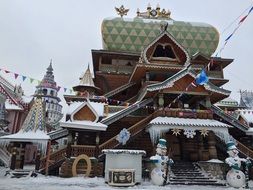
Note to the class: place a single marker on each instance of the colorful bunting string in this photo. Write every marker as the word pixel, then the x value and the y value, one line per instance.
pixel 31 80
pixel 211 62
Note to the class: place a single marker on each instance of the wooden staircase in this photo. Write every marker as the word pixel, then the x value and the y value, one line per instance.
pixel 5 156
pixel 187 173
pixel 229 118
pixel 134 130
pixel 119 89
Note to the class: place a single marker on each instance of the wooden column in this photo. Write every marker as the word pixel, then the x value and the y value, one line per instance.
pixel 201 146
pixel 96 153
pixel 13 159
pixel 48 155
pixel 211 146
pixel 37 160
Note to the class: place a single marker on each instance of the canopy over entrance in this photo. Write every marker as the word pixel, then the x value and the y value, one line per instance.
pixel 186 126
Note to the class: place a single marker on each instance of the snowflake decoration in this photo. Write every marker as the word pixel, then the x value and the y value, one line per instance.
pixel 204 132
pixel 176 131
pixel 123 136
pixel 189 133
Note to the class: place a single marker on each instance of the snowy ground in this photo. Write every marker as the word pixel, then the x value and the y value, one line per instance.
pixel 79 183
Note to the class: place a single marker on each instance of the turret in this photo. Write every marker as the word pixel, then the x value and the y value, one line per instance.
pixel 48 91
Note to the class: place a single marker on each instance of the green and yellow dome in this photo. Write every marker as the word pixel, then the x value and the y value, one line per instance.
pixel 133 35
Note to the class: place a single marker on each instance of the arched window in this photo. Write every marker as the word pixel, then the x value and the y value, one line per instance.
pixel 52 93
pixel 164 51
pixel 44 91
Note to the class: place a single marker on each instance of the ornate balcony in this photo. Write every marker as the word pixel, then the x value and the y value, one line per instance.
pixel 186 113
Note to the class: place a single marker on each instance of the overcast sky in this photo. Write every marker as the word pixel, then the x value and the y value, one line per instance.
pixel 34 31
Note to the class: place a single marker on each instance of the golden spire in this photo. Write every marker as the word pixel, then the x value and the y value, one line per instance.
pixel 121 11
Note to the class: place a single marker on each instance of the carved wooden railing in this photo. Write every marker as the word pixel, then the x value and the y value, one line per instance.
pixel 126 111
pixel 76 150
pixel 60 155
pixel 229 118
pixel 134 130
pixel 5 156
pixel 244 150
pixel 116 68
pixel 55 157
pixel 119 89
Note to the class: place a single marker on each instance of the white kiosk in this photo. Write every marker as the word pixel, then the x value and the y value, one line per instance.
pixel 123 167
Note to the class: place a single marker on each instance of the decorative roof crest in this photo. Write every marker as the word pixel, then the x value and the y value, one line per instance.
pixel 156 13
pixel 121 11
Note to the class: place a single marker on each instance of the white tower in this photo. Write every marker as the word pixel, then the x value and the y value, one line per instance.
pixel 48 91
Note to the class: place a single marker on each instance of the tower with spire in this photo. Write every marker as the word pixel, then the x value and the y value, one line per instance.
pixel 86 85
pixel 48 91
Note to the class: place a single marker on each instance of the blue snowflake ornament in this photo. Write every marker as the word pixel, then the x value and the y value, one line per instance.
pixel 123 136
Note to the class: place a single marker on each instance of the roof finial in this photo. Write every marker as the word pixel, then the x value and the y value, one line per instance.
pixel 121 11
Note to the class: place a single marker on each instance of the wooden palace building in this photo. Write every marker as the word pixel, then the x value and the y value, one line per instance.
pixel 144 82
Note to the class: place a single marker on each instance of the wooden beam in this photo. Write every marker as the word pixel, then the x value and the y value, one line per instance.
pixel 48 155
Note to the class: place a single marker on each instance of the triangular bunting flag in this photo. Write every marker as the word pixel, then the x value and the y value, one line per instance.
pixel 243 19
pixel 31 80
pixel 65 89
pixel 6 71
pixel 16 75
pixel 23 78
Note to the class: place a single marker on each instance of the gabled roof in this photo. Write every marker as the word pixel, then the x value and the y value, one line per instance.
pixel 166 34
pixel 33 129
pixel 85 81
pixel 170 82
pixel 14 101
pixel 82 124
pixel 96 108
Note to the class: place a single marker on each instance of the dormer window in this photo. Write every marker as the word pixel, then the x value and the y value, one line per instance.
pixel 164 51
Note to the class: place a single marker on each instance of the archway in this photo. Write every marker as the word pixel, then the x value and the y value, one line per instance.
pixel 78 158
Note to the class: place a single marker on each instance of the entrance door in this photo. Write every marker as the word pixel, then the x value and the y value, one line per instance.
pixel 173 145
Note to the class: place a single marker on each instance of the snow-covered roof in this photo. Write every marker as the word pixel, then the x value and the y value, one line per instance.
pixel 229 102
pixel 37 137
pixel 175 121
pixel 27 99
pixel 123 151
pixel 247 114
pixel 29 136
pixel 98 107
pixel 9 106
pixel 86 125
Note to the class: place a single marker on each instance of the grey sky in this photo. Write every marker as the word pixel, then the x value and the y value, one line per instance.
pixel 34 31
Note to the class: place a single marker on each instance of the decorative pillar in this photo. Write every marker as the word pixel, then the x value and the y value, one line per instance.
pixel 147 76
pixel 22 155
pixel 208 102
pixel 37 161
pixel 76 138
pixel 200 147
pixel 160 100
pixel 13 159
pixel 96 153
pixel 211 146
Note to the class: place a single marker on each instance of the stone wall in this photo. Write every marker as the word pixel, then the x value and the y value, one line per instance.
pixel 217 169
